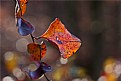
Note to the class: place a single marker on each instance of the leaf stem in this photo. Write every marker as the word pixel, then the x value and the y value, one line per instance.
pixel 46 77
pixel 38 38
pixel 32 37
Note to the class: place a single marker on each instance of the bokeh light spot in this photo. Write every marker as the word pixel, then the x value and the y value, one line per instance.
pixel 77 79
pixel 117 69
pixel 7 78
pixel 19 74
pixel 32 67
pixel 9 56
pixel 109 68
pixel 21 45
pixel 102 78
pixel 84 79
pixel 63 61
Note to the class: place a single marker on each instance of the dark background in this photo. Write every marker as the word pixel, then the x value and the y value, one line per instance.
pixel 96 23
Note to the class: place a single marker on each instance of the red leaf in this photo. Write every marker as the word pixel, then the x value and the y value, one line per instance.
pixel 20 7
pixel 66 42
pixel 36 51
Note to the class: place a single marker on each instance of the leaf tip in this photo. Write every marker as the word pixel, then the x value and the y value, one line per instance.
pixel 57 19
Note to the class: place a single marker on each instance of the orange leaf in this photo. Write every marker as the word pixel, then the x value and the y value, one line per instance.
pixel 66 42
pixel 37 51
pixel 20 7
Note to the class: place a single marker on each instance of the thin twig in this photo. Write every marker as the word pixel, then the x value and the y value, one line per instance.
pixel 32 37
pixel 46 77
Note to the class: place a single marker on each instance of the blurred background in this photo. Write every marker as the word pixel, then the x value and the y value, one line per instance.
pixel 96 23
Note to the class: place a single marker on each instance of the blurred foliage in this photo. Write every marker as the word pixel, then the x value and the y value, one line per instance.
pixel 96 23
